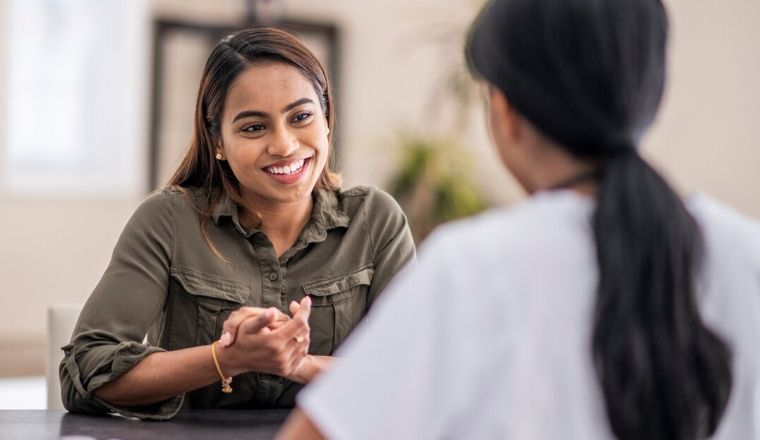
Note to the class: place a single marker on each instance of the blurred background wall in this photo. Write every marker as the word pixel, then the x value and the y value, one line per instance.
pixel 396 61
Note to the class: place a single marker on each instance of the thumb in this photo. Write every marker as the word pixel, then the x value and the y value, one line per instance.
pixel 303 309
pixel 294 306
pixel 259 322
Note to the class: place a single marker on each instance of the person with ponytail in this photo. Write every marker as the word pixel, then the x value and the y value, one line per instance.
pixel 232 286
pixel 602 307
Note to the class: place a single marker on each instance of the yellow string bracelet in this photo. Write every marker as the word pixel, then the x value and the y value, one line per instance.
pixel 226 388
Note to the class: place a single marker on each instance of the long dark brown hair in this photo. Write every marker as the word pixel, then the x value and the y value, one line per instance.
pixel 590 75
pixel 230 57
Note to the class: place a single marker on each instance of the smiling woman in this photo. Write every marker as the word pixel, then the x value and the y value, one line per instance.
pixel 274 137
pixel 252 264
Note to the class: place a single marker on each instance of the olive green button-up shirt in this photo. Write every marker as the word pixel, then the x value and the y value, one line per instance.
pixel 165 289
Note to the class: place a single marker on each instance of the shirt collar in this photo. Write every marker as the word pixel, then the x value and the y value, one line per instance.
pixel 326 214
pixel 225 208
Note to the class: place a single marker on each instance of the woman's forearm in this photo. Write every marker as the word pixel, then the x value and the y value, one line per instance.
pixel 257 347
pixel 161 376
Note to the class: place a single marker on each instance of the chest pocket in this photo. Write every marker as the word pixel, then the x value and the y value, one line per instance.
pixel 338 304
pixel 199 306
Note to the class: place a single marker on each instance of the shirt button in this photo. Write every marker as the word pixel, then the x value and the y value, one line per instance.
pixel 272 276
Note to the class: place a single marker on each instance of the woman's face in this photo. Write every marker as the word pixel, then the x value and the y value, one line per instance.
pixel 274 134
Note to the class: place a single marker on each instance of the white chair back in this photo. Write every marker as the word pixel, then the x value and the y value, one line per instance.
pixel 61 319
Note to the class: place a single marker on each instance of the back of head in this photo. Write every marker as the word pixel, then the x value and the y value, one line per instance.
pixel 589 74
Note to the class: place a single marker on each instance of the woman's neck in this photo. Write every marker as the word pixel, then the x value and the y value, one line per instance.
pixel 282 222
pixel 551 167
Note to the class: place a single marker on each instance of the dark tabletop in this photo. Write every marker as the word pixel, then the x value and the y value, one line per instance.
pixel 190 424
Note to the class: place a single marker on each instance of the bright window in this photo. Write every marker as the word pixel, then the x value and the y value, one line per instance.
pixel 75 119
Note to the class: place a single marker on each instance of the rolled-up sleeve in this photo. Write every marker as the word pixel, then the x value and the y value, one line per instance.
pixel 108 337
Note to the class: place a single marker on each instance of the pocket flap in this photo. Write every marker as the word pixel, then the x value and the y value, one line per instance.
pixel 340 283
pixel 199 284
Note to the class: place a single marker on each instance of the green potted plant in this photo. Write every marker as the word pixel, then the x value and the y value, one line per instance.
pixel 433 184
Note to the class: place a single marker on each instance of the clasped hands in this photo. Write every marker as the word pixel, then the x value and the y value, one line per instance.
pixel 268 341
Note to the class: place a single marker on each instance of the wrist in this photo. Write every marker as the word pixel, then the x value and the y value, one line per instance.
pixel 304 372
pixel 225 379
pixel 227 361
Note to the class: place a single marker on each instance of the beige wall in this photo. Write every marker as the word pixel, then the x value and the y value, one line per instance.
pixel 708 135
pixel 54 250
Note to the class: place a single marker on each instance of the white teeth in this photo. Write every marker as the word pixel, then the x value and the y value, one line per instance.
pixel 287 169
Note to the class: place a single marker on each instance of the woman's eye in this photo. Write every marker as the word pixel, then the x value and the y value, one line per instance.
pixel 302 117
pixel 253 128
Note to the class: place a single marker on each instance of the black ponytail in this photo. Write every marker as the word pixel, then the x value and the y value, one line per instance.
pixel 590 75
pixel 664 375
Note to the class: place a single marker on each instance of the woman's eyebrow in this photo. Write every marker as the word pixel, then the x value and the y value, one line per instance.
pixel 249 113
pixel 296 104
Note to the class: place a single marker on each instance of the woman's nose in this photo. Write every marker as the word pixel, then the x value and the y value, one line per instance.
pixel 282 143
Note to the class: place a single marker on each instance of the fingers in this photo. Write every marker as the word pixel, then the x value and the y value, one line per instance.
pixel 231 325
pixel 302 312
pixel 259 322
pixel 298 327
pixel 304 308
pixel 272 346
pixel 294 352
pixel 294 306
pixel 255 319
pixel 300 344
pixel 277 323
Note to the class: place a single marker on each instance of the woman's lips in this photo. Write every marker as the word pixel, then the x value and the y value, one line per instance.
pixel 288 173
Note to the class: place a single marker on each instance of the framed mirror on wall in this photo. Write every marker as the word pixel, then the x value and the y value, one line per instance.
pixel 180 49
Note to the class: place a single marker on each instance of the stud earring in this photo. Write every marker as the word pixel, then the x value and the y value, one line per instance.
pixel 219 156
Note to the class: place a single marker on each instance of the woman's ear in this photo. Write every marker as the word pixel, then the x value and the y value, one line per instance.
pixel 219 151
pixel 504 121
pixel 508 134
